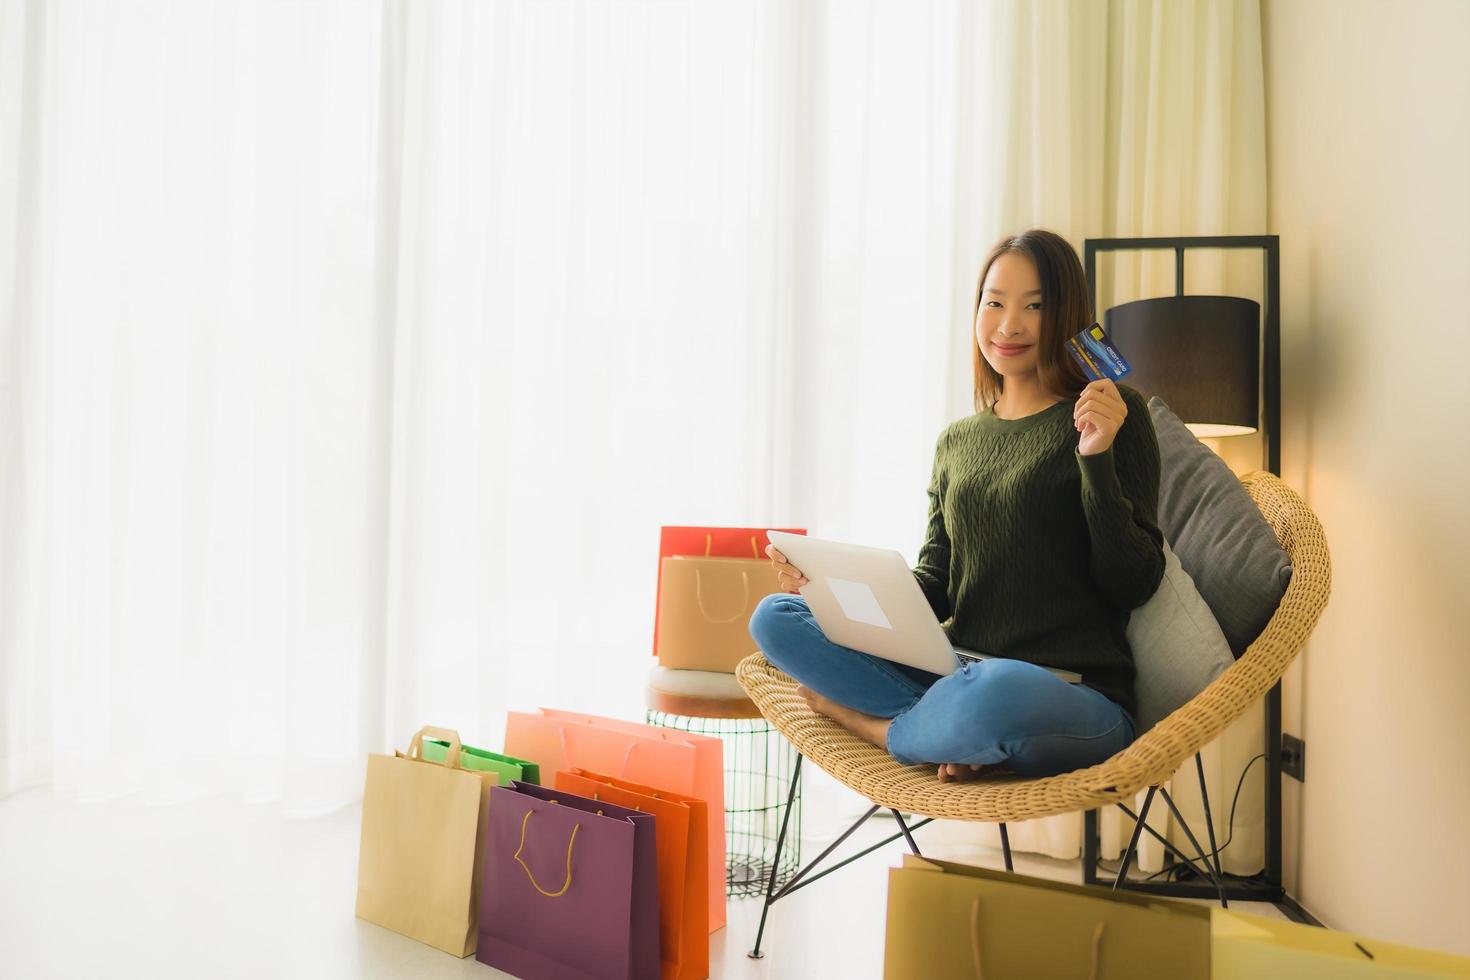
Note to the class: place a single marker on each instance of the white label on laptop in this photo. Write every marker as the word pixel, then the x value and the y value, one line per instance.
pixel 858 602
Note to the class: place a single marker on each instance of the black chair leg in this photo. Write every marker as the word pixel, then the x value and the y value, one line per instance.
pixel 905 828
pixel 1005 847
pixel 1204 795
pixel 755 953
pixel 1133 841
pixel 1209 871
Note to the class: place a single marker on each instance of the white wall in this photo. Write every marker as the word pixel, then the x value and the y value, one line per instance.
pixel 1368 115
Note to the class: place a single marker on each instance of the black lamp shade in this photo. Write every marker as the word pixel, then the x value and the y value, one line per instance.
pixel 1200 354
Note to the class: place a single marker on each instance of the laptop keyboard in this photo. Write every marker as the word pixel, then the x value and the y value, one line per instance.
pixel 1070 677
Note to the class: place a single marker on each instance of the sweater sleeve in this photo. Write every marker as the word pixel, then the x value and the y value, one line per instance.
pixel 1120 498
pixel 933 568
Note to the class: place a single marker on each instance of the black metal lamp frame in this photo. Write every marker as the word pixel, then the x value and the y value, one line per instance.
pixel 1270 244
pixel 1268 885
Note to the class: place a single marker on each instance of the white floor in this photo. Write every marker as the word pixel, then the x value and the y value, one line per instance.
pixel 223 889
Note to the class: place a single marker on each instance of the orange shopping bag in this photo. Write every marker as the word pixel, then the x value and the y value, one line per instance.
pixel 682 762
pixel 682 846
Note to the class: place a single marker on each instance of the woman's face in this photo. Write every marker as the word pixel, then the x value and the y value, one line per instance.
pixel 1008 323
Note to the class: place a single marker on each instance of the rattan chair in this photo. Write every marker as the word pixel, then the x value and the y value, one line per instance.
pixel 1152 759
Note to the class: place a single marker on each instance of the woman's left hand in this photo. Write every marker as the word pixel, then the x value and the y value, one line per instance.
pixel 1098 415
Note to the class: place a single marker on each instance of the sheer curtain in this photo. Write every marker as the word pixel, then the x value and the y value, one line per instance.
pixel 188 521
pixel 351 355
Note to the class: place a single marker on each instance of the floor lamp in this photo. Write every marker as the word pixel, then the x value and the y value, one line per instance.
pixel 1203 356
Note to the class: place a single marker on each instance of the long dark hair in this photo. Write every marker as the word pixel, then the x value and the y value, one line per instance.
pixel 1066 309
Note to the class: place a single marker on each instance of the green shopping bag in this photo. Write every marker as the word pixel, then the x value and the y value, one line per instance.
pixel 483 760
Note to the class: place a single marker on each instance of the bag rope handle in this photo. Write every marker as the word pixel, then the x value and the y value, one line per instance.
pixel 744 598
pixel 709 540
pixel 565 885
pixel 709 544
pixel 566 750
pixel 1096 953
pixel 975 938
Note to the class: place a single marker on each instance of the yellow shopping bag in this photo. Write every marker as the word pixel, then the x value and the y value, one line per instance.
pixel 957 921
pixel 1244 947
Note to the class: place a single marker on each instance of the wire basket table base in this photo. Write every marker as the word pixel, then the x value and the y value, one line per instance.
pixel 759 767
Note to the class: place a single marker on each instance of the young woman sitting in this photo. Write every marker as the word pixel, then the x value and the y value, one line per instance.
pixel 1042 537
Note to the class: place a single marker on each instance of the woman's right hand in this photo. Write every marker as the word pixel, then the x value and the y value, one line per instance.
pixel 789 575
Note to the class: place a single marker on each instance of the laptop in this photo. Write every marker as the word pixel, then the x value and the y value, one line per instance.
pixel 868 599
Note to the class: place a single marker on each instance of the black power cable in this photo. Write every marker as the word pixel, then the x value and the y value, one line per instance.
pixel 1210 855
pixel 1177 866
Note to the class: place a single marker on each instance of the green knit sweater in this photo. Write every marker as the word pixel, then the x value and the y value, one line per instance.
pixel 1038 553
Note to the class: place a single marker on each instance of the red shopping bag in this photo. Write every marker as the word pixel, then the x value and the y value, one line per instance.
pixel 709 542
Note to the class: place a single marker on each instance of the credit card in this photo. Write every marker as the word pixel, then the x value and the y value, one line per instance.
pixel 1096 355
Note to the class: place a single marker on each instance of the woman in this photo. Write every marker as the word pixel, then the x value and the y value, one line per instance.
pixel 1042 538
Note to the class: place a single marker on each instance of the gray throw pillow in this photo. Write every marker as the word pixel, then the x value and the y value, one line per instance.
pixel 1177 645
pixel 1218 533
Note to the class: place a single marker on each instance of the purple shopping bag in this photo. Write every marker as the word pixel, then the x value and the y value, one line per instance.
pixel 569 888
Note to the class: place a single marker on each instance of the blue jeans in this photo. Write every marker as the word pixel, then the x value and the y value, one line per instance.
pixel 992 712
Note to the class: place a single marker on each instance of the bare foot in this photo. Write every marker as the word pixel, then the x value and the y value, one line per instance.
pixel 959 772
pixel 819 704
pixel 869 728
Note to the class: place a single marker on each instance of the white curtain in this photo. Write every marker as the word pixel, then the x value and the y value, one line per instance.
pixel 191 571
pixel 352 355
pixel 1133 118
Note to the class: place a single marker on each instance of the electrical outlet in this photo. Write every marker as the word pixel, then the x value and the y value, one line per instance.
pixel 1294 757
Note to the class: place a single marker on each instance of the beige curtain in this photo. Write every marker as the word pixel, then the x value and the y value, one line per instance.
pixel 1127 118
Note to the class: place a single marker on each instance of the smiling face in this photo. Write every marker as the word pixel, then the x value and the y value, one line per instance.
pixel 1008 322
pixel 1031 297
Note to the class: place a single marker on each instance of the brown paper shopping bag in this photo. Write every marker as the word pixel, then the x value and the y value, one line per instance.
pixel 711 542
pixel 704 610
pixel 953 920
pixel 418 869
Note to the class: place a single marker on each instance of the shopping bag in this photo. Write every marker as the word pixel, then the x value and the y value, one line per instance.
pixel 682 762
pixel 570 888
pixel 1245 946
pixel 954 920
pixel 558 743
pixel 710 542
pixel 704 610
pixel 708 781
pixel 419 857
pixel 683 869
pixel 483 760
